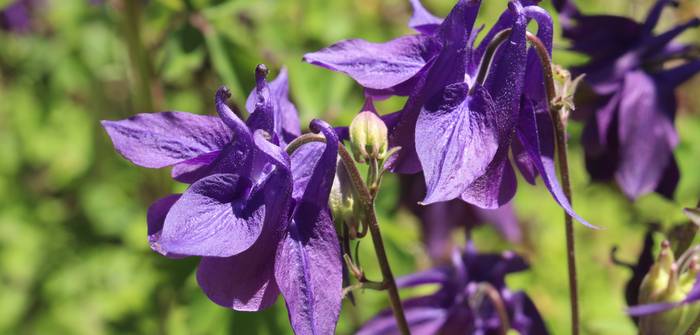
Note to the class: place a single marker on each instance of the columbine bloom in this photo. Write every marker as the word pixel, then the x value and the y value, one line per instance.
pixel 440 220
pixel 629 134
pixel 471 294
pixel 459 132
pixel 258 216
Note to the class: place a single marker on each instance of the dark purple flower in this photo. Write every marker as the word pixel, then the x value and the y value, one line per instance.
pixel 441 219
pixel 467 301
pixel 16 16
pixel 258 216
pixel 457 131
pixel 629 134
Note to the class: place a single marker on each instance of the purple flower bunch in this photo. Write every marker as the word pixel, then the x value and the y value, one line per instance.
pixel 257 216
pixel 468 108
pixel 632 74
pixel 257 206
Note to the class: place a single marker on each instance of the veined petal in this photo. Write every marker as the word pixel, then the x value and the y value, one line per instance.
pixel 262 116
pixel 537 139
pixel 216 217
pixel 422 20
pixel 156 140
pixel 456 139
pixel 377 66
pixel 646 132
pixel 286 118
pixel 308 271
pixel 496 187
pixel 254 287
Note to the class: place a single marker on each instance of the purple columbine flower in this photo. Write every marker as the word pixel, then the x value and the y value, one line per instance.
pixel 16 16
pixel 629 134
pixel 258 216
pixel 472 292
pixel 459 132
pixel 441 219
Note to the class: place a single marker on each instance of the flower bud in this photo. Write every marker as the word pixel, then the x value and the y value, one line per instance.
pixel 368 137
pixel 342 202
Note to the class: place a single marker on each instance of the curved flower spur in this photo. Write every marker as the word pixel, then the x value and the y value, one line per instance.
pixel 253 212
pixel 466 101
pixel 629 134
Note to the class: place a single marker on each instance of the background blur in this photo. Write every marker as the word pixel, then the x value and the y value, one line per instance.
pixel 73 252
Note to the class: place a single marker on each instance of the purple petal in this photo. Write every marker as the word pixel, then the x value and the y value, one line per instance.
pixel 318 188
pixel 262 116
pixel 647 135
pixel 215 217
pixel 155 217
pixel 538 140
pixel 158 140
pixel 194 169
pixel 377 66
pixel 254 287
pixel 456 139
pixel 669 180
pixel 524 316
pixel 431 276
pixel 422 20
pixel 309 271
pixel 496 187
pixel 286 118
pixel 425 316
pixel 447 68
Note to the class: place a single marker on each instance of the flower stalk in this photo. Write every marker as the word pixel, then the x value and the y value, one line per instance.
pixel 559 118
pixel 367 200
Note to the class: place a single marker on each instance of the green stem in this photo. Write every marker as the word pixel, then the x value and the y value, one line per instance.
pixel 562 159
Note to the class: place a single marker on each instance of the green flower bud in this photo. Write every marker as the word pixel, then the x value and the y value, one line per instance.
pixel 368 137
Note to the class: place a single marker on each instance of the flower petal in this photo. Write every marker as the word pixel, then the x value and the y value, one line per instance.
pixel 456 139
pixel 194 169
pixel 155 217
pixel 215 217
pixel 156 140
pixel 536 134
pixel 421 20
pixel 445 69
pixel 317 190
pixel 524 316
pixel 647 135
pixel 286 118
pixel 378 66
pixel 309 271
pixel 439 275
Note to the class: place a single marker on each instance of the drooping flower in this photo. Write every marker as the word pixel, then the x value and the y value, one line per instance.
pixel 440 220
pixel 629 135
pixel 258 217
pixel 458 131
pixel 472 298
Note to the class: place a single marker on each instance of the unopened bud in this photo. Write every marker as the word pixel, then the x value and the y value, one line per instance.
pixel 656 281
pixel 368 137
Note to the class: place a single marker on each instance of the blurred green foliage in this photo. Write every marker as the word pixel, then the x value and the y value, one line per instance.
pixel 73 252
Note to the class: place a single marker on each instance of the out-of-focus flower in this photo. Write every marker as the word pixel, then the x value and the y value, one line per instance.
pixel 258 216
pixel 17 16
pixel 632 72
pixel 440 220
pixel 458 131
pixel 472 299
